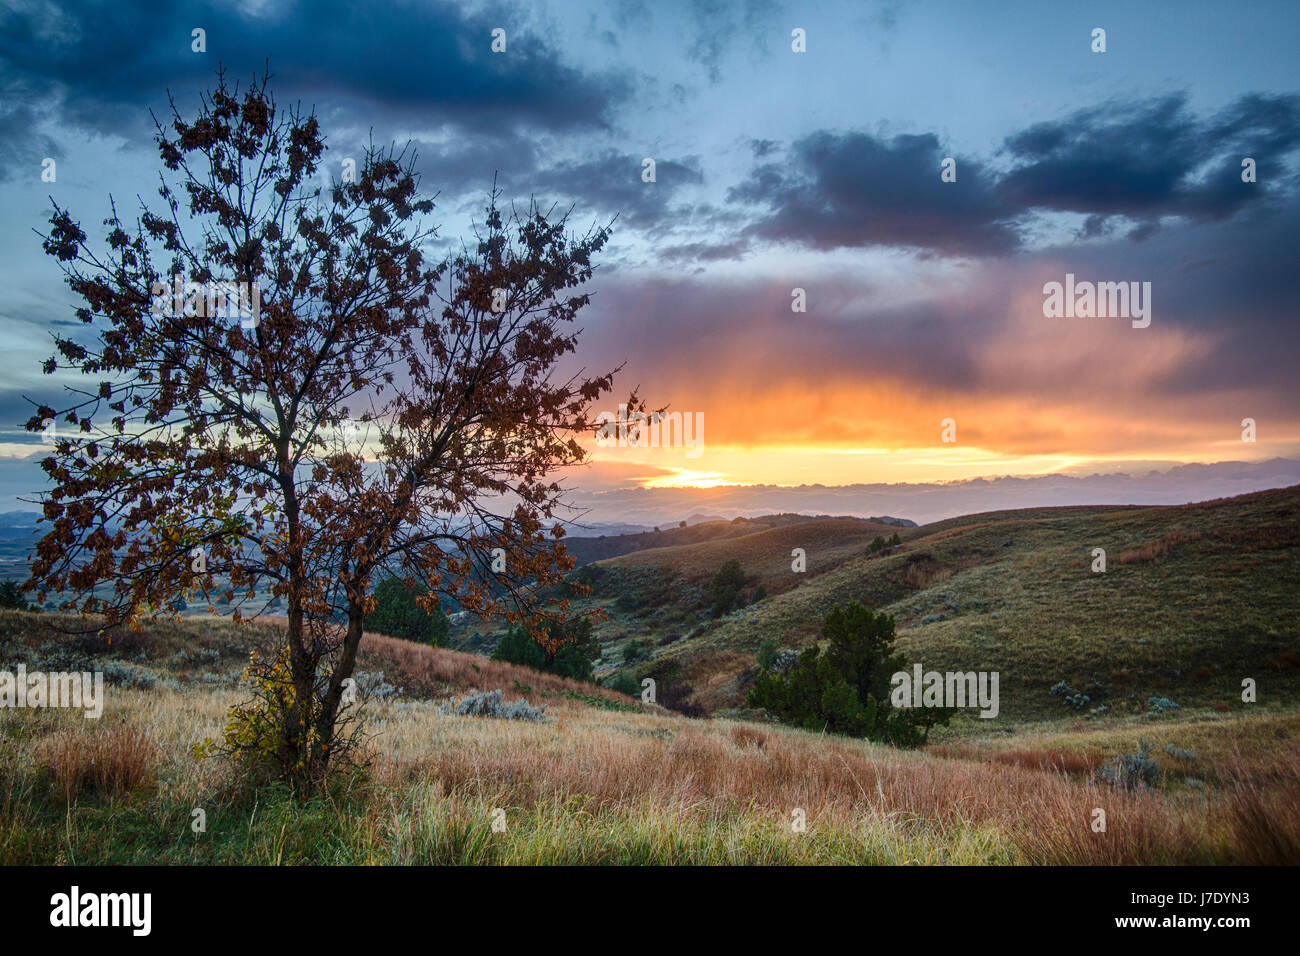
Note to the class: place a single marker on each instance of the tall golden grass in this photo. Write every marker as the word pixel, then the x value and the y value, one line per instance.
pixel 696 774
pixel 112 761
pixel 603 786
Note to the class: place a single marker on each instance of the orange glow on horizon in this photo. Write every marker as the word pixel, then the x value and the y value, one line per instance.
pixel 793 465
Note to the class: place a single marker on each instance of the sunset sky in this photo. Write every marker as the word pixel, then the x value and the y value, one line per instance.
pixel 777 170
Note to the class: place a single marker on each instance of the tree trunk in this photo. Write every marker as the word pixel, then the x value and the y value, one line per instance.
pixel 325 724
pixel 302 671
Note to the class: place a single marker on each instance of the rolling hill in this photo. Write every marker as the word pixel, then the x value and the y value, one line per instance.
pixel 1193 600
pixel 586 549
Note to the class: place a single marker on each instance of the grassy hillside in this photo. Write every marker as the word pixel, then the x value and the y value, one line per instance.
pixel 1194 599
pixel 588 549
pixel 765 553
pixel 602 780
pixel 650 579
pixel 661 594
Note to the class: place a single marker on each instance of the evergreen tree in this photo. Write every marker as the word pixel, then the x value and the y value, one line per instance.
pixel 575 648
pixel 398 614
pixel 846 688
pixel 725 587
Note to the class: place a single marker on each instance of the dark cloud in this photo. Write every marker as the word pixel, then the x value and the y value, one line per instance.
pixel 631 14
pixel 711 35
pixel 422 62
pixel 1128 165
pixel 604 186
pixel 702 335
pixel 1248 282
pixel 853 189
pixel 1147 160
pixel 611 183
pixel 980 332
pixel 886 18
pixel 1093 227
pixel 700 252
pixel 23 144
pixel 467 165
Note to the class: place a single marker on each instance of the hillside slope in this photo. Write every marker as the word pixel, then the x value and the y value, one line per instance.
pixel 1194 599
pixel 588 549
pixel 766 554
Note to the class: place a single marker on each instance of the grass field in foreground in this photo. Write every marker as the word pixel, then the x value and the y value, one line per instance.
pixel 607 783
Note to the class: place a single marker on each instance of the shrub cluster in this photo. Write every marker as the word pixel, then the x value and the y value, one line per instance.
pixel 880 544
pixel 625 682
pixel 1077 699
pixel 491 703
pixel 1131 771
pixel 635 650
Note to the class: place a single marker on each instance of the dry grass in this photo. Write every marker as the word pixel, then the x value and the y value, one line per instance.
pixel 109 762
pixel 694 772
pixel 638 786
pixel 601 786
pixel 922 575
pixel 437 670
pixel 743 735
pixel 1030 758
pixel 1263 820
pixel 1156 549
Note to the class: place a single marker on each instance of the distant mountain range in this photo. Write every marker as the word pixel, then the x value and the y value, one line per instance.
pixel 935 501
pixel 601 529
